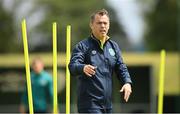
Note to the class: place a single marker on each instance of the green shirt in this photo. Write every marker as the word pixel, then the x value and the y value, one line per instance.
pixel 42 91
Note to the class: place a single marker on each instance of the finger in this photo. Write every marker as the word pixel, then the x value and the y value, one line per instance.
pixel 93 67
pixel 127 98
pixel 127 94
pixel 88 68
pixel 122 89
pixel 91 71
pixel 85 69
pixel 88 74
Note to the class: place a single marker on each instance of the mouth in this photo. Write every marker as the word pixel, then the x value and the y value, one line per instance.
pixel 103 31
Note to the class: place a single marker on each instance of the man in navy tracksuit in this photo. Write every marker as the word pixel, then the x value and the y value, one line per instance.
pixel 94 60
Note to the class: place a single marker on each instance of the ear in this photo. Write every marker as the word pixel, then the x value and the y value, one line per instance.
pixel 90 25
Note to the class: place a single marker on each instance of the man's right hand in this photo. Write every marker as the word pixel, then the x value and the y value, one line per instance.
pixel 89 70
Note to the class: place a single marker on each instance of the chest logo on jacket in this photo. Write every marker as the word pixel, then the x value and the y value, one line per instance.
pixel 43 82
pixel 111 52
pixel 93 52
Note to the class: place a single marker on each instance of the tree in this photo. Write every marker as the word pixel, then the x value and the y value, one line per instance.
pixel 74 13
pixel 7 32
pixel 162 27
pixel 64 12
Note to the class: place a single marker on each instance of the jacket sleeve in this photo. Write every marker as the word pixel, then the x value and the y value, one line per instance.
pixel 121 68
pixel 50 89
pixel 24 97
pixel 76 64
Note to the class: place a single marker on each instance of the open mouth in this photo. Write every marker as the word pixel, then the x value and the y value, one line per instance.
pixel 103 31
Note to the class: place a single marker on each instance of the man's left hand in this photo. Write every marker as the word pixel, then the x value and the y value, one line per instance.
pixel 127 91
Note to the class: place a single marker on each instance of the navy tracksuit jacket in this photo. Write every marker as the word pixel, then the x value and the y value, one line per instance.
pixel 95 92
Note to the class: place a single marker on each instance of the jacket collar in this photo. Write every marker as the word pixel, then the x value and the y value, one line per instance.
pixel 92 36
pixel 98 41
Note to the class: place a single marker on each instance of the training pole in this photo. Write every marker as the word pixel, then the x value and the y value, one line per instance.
pixel 68 54
pixel 161 82
pixel 55 103
pixel 26 57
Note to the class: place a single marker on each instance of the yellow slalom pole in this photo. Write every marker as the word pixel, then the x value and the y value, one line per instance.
pixel 68 54
pixel 55 103
pixel 161 82
pixel 26 57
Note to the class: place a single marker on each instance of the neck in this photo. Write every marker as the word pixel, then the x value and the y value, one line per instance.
pixel 103 40
pixel 100 38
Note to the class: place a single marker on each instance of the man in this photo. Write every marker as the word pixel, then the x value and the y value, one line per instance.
pixel 42 89
pixel 94 60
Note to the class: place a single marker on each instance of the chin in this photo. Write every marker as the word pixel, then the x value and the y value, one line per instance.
pixel 104 35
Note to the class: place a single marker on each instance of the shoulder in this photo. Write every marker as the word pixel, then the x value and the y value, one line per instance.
pixel 32 75
pixel 115 44
pixel 46 75
pixel 83 44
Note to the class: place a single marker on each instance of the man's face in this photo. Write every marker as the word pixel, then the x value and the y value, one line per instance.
pixel 100 26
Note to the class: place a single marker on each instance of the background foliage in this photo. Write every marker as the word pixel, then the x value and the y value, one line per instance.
pixel 161 25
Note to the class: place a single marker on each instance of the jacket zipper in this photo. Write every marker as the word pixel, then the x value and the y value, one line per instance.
pixel 105 93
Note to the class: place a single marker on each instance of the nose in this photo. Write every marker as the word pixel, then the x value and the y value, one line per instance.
pixel 102 25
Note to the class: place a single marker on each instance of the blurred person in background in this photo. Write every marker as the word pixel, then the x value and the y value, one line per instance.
pixel 94 60
pixel 42 89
